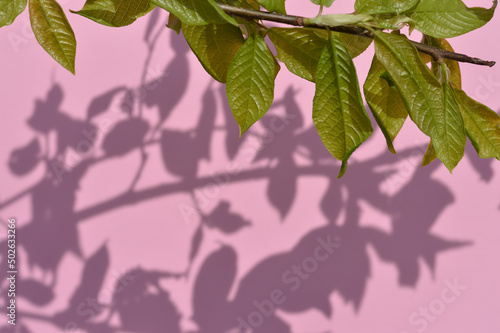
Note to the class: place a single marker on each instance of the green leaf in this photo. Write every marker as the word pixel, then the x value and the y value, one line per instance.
pixel 326 3
pixel 354 44
pixel 430 155
pixel 196 12
pixel 481 125
pixel 454 124
pixel 114 13
pixel 383 6
pixel 338 112
pixel 53 32
pixel 450 18
pixel 274 5
pixel 301 48
pixel 10 9
pixel 215 45
pixel 250 82
pixel 250 4
pixel 422 94
pixel 385 102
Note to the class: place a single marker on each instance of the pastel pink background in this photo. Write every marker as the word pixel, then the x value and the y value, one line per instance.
pixel 405 232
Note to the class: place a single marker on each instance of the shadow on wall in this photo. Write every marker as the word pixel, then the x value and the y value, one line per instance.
pixel 330 258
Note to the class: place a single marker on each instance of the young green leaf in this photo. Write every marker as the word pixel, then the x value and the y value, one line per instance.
pixel 453 65
pixel 250 82
pixel 481 125
pixel 115 13
pixel 53 32
pixel 384 6
pixel 430 155
pixel 10 9
pixel 274 5
pixel 393 22
pixel 215 45
pixel 385 102
pixel 450 18
pixel 196 12
pixel 335 20
pixel 422 94
pixel 301 48
pixel 338 112
pixel 326 3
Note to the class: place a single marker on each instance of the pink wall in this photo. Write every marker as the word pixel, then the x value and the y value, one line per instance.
pixel 411 249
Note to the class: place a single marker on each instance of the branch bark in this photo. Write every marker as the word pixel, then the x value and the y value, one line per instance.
pixel 299 21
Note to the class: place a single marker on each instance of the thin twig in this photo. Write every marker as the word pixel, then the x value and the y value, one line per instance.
pixel 299 21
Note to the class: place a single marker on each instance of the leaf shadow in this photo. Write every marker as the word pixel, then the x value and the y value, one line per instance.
pixel 332 258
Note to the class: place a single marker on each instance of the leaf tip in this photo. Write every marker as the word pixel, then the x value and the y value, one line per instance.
pixel 343 169
pixel 71 69
pixel 450 168
pixel 242 131
pixel 390 146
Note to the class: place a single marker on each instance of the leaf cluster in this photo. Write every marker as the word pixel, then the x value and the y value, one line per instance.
pixel 233 50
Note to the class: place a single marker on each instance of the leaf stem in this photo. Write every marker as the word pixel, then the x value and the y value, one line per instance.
pixel 320 10
pixel 300 21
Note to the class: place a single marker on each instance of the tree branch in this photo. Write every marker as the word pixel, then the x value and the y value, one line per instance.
pixel 299 21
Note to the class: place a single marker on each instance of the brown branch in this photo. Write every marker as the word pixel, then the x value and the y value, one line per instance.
pixel 299 21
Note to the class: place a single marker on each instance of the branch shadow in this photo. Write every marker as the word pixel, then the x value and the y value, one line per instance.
pixel 331 258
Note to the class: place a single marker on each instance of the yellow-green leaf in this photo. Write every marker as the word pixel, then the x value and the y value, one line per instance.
pixel 385 102
pixel 196 12
pixel 174 23
pixel 115 13
pixel 430 155
pixel 10 9
pixel 53 31
pixel 354 44
pixel 449 18
pixel 301 48
pixel 274 5
pixel 430 108
pixel 454 124
pixel 250 4
pixel 383 6
pixel 215 45
pixel 481 125
pixel 326 3
pixel 250 82
pixel 338 112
